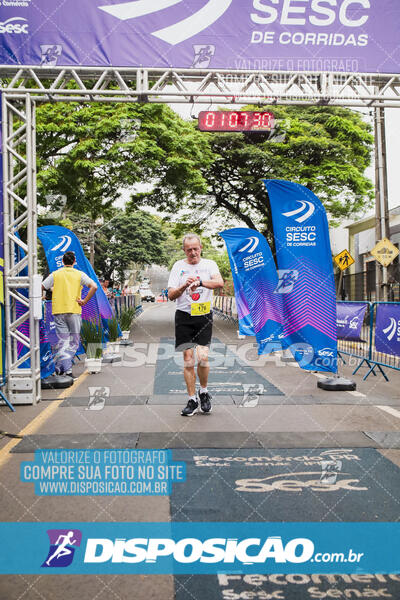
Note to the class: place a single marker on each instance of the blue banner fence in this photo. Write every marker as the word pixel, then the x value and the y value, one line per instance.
pixel 361 353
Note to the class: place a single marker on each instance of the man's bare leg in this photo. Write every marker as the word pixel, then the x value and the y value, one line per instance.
pixel 203 366
pixel 189 372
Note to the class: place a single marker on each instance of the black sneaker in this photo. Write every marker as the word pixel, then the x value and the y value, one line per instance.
pixel 69 374
pixel 190 409
pixel 205 402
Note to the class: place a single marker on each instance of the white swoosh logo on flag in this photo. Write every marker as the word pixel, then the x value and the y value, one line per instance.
pixel 63 245
pixel 253 242
pixel 305 206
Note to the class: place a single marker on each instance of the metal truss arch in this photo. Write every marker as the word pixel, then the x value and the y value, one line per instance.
pixel 23 86
pixel 111 84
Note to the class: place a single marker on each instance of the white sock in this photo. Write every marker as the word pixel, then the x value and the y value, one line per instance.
pixel 203 390
pixel 192 398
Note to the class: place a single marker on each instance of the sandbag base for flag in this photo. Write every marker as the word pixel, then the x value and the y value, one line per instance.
pixel 111 358
pixel 125 342
pixel 56 382
pixel 337 384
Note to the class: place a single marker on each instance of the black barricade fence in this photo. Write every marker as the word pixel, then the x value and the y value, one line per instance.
pixel 362 286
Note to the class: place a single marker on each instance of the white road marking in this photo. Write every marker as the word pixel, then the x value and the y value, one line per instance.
pixel 390 410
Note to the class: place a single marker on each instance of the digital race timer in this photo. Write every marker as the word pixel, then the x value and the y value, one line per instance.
pixel 213 120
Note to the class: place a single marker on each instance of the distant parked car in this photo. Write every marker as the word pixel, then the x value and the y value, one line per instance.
pixel 146 295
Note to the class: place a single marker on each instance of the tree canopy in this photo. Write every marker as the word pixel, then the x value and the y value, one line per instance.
pixel 326 149
pixel 129 239
pixel 89 152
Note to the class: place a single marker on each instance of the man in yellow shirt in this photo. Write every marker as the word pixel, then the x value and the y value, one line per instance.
pixel 67 305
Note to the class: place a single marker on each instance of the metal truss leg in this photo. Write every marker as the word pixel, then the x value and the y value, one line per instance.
pixel 20 249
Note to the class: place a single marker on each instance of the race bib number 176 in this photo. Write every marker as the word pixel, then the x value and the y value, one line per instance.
pixel 200 308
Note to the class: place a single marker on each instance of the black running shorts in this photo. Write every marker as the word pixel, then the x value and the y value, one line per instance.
pixel 192 331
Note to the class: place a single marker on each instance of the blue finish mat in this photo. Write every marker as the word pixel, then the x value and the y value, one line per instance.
pixel 284 485
pixel 286 587
pixel 228 374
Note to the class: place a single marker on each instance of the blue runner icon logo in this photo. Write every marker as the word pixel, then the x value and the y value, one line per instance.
pixel 62 547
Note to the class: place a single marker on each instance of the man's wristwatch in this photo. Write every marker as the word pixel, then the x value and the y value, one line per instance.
pixel 200 283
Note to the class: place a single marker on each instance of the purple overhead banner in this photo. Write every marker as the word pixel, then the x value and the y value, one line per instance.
pixel 328 35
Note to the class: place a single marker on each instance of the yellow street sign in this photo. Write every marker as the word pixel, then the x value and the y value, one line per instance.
pixel 385 252
pixel 344 260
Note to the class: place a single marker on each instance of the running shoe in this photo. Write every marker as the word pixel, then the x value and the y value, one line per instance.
pixel 205 402
pixel 69 374
pixel 190 409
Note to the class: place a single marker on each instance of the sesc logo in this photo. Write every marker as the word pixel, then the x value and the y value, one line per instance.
pixel 63 245
pixel 325 358
pixel 251 245
pixel 303 213
pixel 16 25
pixel 353 324
pixel 390 329
pixel 180 31
pixel 326 353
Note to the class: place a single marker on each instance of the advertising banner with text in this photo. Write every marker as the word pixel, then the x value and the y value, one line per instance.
pixel 307 284
pixel 328 35
pixel 349 320
pixel 256 272
pixel 387 330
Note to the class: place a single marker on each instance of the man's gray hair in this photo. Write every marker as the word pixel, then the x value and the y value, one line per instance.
pixel 190 236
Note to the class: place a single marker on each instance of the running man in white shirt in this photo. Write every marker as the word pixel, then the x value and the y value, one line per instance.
pixel 191 284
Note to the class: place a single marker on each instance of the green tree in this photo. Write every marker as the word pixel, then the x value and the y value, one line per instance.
pixel 326 149
pixel 129 239
pixel 89 152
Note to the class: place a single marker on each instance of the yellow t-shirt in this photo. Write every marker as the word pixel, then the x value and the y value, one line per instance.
pixel 67 288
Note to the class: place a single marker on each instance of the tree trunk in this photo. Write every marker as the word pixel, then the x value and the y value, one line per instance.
pixel 92 233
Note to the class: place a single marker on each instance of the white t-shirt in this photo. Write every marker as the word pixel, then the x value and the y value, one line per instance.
pixel 181 271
